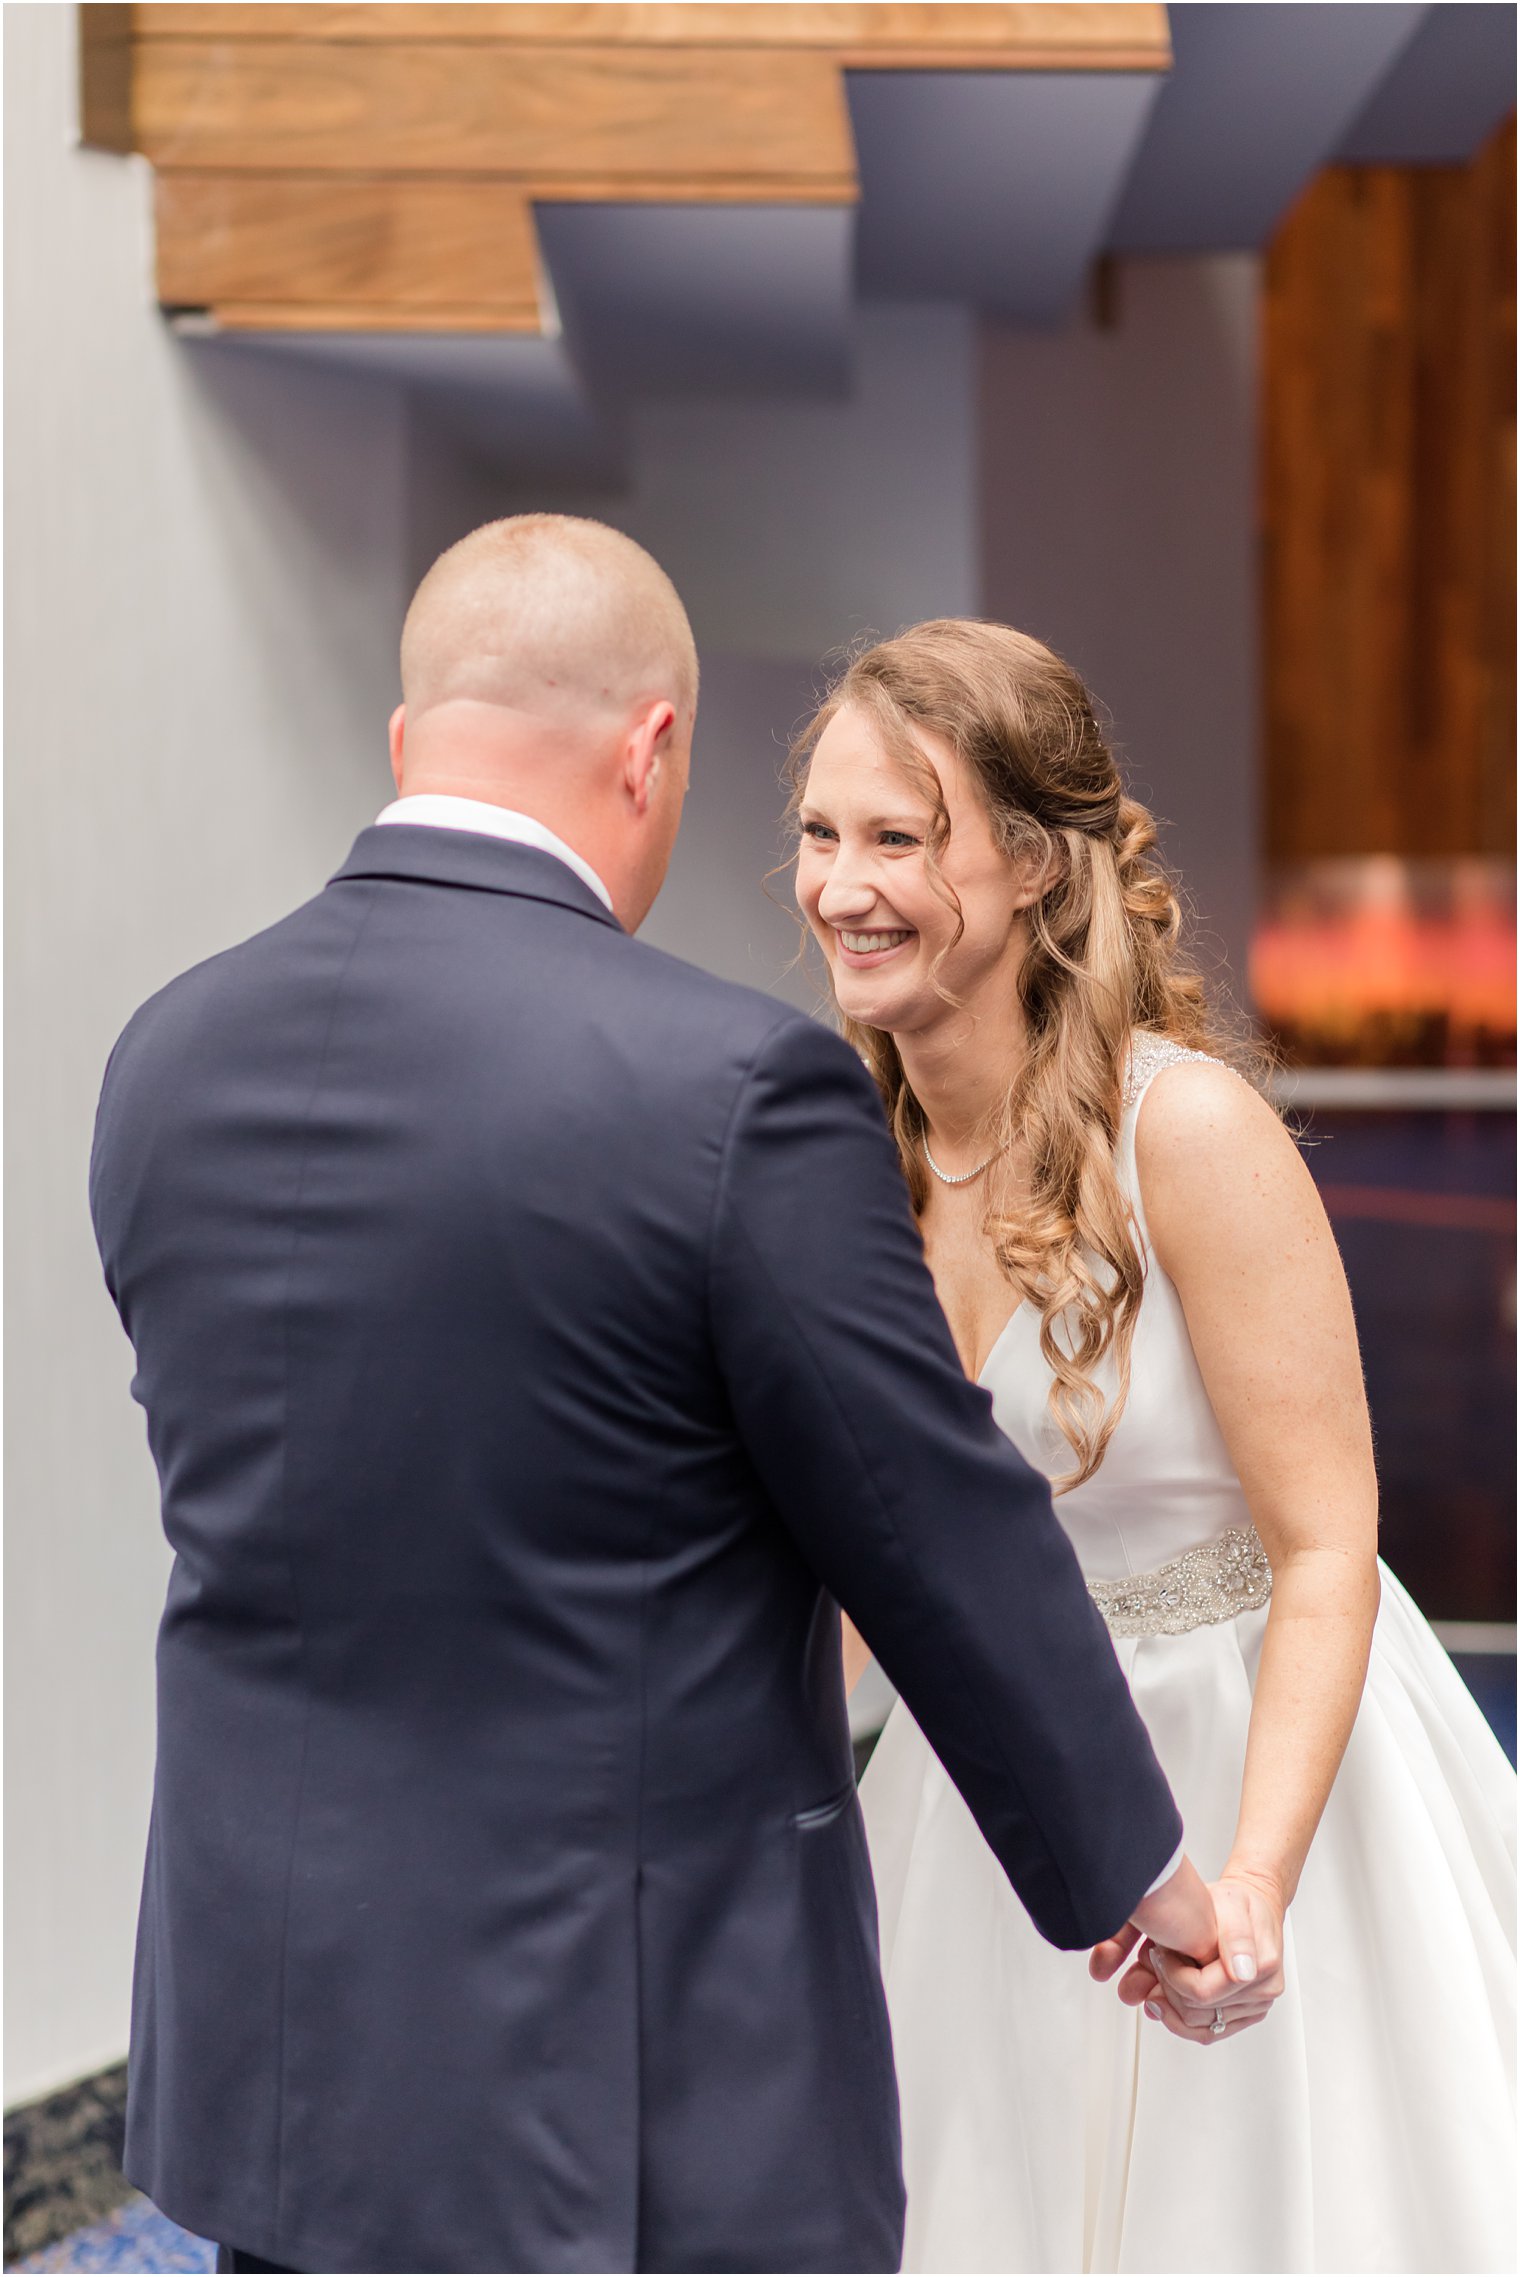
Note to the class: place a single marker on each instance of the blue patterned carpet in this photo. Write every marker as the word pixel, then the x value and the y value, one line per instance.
pixel 136 2236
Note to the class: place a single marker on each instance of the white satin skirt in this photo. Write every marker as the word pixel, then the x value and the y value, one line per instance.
pixel 1367 2124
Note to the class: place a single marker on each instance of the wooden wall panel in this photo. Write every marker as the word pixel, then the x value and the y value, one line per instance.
pixel 1388 487
pixel 1059 35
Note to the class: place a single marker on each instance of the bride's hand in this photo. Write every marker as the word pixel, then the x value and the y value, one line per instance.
pixel 1239 1988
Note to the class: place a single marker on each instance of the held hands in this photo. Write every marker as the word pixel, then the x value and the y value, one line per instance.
pixel 1203 1983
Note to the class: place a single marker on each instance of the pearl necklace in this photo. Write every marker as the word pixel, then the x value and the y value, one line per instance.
pixel 966 1177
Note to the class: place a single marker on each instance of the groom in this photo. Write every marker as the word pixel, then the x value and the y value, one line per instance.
pixel 535 1343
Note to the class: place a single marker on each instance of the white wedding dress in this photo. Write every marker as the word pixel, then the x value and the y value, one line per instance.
pixel 1368 2123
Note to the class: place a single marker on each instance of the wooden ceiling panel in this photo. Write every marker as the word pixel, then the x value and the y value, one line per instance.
pixel 379 164
pixel 546 114
pixel 416 249
pixel 1061 35
pixel 357 316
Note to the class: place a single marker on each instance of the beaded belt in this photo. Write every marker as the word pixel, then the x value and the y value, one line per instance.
pixel 1213 1583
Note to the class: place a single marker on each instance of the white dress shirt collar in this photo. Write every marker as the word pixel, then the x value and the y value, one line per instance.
pixel 434 811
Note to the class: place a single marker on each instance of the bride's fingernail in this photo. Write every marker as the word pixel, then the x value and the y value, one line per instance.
pixel 1242 1968
pixel 1153 2012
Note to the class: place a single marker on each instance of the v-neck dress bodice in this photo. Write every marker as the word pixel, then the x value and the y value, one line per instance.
pixel 1166 1483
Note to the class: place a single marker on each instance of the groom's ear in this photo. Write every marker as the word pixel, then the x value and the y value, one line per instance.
pixel 647 744
pixel 397 735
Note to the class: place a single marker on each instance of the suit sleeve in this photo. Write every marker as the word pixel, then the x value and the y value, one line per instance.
pixel 909 1503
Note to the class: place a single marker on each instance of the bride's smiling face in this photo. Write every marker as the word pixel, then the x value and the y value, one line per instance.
pixel 878 912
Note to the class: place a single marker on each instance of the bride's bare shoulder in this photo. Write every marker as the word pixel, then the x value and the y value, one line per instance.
pixel 1217 1168
pixel 1193 1102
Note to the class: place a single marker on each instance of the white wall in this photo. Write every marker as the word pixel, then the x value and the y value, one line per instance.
pixel 793 527
pixel 204 584
pixel 1119 524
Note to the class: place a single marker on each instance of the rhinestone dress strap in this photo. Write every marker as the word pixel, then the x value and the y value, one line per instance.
pixel 1149 1054
pixel 1204 1586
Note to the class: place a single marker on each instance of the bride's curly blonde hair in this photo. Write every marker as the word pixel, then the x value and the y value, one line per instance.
pixel 1104 958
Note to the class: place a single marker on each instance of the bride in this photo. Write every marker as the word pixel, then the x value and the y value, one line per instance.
pixel 1136 1266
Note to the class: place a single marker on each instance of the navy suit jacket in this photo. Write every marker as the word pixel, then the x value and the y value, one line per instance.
pixel 535 1344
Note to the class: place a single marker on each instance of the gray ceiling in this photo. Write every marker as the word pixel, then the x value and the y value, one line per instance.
pixel 659 299
pixel 1257 99
pixel 1449 88
pixel 994 189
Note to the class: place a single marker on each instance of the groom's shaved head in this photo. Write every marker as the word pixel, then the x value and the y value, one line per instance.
pixel 547 614
pixel 547 667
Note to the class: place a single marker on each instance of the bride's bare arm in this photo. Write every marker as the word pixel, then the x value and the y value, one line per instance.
pixel 1239 1228
pixel 857 1654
